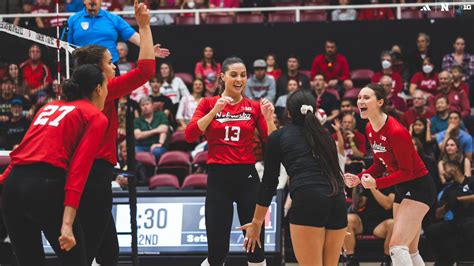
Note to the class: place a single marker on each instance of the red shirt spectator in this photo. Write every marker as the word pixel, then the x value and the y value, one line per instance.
pixel 36 74
pixel 333 66
pixel 419 110
pixel 458 101
pixel 426 83
pixel 42 8
pixel 376 14
pixel 224 3
pixel 396 80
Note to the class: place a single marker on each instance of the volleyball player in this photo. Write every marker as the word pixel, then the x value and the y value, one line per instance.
pixel 229 122
pixel 318 213
pixel 95 212
pixel 395 154
pixel 49 168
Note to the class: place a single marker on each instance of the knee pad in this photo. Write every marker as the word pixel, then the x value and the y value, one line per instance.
pixel 263 263
pixel 400 256
pixel 417 259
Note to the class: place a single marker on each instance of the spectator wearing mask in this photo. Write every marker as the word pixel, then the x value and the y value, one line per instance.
pixel 260 85
pixel 171 86
pixel 452 151
pixel 123 64
pixel 451 238
pixel 207 70
pixel 386 62
pixel 418 110
pixel 458 100
pixel 188 104
pixel 325 100
pixel 395 105
pixel 293 72
pixel 422 51
pixel 426 80
pixel 16 127
pixel 35 73
pixel 272 66
pixel 344 14
pixel 454 131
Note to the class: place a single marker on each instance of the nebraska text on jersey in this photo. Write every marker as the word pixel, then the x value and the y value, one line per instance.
pixel 228 117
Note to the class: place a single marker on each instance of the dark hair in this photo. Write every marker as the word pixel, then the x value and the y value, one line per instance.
pixel 8 79
pixel 422 135
pixel 274 57
pixel 225 66
pixel 168 79
pixel 90 54
pixel 322 145
pixel 213 61
pixel 419 146
pixel 458 68
pixel 454 163
pixel 294 57
pixel 455 112
pixel 85 79
pixel 203 92
pixel 443 97
pixel 379 92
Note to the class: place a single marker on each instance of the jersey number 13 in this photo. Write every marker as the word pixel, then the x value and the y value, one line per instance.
pixel 232 133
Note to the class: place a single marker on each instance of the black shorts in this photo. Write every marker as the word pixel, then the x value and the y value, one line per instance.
pixel 421 189
pixel 369 222
pixel 312 206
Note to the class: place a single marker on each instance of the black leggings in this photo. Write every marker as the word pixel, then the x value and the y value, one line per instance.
pixel 227 184
pixel 33 201
pixel 95 215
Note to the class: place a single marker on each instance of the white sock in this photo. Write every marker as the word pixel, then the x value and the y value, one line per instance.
pixel 417 259
pixel 205 263
pixel 400 256
pixel 263 263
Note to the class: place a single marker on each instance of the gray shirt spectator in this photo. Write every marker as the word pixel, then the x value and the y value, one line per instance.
pixel 343 14
pixel 260 85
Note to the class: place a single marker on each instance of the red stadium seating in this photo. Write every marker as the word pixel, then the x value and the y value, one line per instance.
pixel 200 158
pixel 335 93
pixel 411 14
pixel 361 77
pixel 195 181
pixel 352 94
pixel 306 73
pixel 175 162
pixel 184 20
pixel 146 158
pixel 281 17
pixel 313 15
pixel 441 14
pixel 249 18
pixel 163 181
pixel 186 77
pixel 317 3
pixel 295 3
pixel 178 142
pixel 220 19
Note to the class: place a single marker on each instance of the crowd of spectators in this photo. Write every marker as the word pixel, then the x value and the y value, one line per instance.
pixel 429 96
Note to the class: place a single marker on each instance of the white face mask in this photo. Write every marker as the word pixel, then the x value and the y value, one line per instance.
pixel 427 69
pixel 386 64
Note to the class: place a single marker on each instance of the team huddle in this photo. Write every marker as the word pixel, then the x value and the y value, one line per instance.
pixel 58 181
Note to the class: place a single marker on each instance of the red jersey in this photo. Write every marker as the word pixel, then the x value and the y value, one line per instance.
pixel 36 76
pixel 65 135
pixel 230 134
pixel 339 69
pixel 118 87
pixel 395 154
pixel 425 83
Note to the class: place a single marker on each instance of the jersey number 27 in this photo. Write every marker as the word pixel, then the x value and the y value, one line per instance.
pixel 44 116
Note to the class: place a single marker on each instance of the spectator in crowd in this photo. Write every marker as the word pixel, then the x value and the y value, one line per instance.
pixel 207 70
pixel 6 98
pixel 353 140
pixel 426 80
pixel 171 86
pixel 421 129
pixel 415 59
pixel 458 80
pixel 376 13
pixel 122 115
pixel 370 214
pixel 16 127
pixel 123 64
pixel 348 107
pixel 188 104
pixel 293 72
pixel 343 14
pixel 280 106
pixel 452 152
pixel 42 7
pixel 15 73
pixel 395 106
pixel 332 65
pixel 454 131
pixel 428 160
pixel 386 62
pixel 162 19
pixel 112 5
pixel 458 100
pixel 325 100
pixel 451 238
pixel 418 110
pixel 439 122
pixel 399 65
pixel 460 58
pixel 260 85
pixel 29 22
pixel 10 7
pixel 35 73
pixel 272 66
pixel 160 102
pixel 257 3
pixel 151 130
pixel 224 4
pixel 194 4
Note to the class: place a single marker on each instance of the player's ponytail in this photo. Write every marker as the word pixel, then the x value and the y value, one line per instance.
pixel 225 66
pixel 84 81
pixel 301 105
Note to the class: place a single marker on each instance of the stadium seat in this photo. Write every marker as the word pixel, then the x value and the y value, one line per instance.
pixel 317 3
pixel 281 17
pixel 220 19
pixel 313 15
pixel 249 18
pixel 186 77
pixel 195 181
pixel 175 162
pixel 201 158
pixel 306 73
pixel 335 93
pixel 361 77
pixel 411 14
pixel 178 142
pixel 352 94
pixel 146 158
pixel 4 160
pixel 441 14
pixel 293 3
pixel 184 20
pixel 163 182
